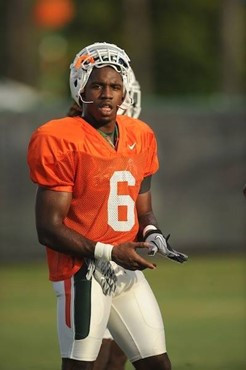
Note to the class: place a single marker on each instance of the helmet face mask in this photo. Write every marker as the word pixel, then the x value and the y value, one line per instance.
pixel 99 55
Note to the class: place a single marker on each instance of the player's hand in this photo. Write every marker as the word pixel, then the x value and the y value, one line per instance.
pixel 126 256
pixel 159 244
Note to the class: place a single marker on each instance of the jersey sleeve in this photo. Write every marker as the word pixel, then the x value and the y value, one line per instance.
pixel 152 163
pixel 51 162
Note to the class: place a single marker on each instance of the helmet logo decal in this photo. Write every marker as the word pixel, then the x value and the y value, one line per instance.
pixel 87 59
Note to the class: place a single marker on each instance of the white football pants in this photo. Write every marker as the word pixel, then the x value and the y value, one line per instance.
pixel 132 315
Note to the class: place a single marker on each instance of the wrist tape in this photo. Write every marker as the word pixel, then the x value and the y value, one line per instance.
pixel 150 229
pixel 103 251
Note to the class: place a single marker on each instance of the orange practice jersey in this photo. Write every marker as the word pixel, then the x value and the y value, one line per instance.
pixel 69 155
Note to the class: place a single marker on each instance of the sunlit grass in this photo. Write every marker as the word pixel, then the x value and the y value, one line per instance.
pixel 203 305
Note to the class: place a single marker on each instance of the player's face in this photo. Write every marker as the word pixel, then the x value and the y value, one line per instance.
pixel 105 89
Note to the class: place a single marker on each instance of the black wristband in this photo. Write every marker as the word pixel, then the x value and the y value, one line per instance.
pixel 149 232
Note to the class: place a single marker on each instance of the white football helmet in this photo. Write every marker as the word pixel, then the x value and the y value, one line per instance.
pixel 99 54
pixel 132 105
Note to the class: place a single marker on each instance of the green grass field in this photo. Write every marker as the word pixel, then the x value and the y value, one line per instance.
pixel 203 304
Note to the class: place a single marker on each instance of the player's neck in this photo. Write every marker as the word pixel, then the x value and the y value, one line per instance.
pixel 105 126
pixel 108 128
pixel 111 137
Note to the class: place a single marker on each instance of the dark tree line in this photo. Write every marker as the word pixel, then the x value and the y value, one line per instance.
pixel 177 47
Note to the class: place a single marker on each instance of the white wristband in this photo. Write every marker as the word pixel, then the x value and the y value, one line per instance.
pixel 103 251
pixel 147 228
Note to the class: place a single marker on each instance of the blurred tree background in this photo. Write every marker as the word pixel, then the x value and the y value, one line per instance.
pixel 177 47
pixel 189 57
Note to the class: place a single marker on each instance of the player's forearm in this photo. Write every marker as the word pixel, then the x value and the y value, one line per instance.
pixel 145 213
pixel 145 220
pixel 65 240
pixel 62 239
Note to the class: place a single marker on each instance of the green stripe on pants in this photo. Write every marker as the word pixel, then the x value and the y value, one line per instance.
pixel 82 303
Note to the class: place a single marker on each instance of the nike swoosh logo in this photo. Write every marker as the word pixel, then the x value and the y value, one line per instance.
pixel 132 146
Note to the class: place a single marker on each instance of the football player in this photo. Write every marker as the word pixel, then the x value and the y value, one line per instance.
pixel 111 357
pixel 93 201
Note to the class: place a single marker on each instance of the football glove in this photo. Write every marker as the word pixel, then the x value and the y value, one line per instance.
pixel 104 274
pixel 159 244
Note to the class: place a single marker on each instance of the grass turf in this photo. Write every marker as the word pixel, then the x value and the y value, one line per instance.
pixel 203 305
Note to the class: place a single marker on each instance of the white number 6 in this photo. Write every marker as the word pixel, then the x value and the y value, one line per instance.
pixel 115 200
